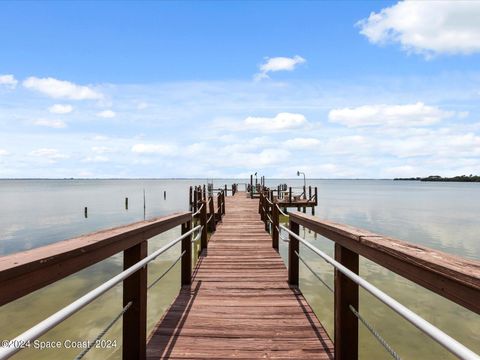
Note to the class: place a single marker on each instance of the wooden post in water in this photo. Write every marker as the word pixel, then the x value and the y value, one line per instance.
pixel 275 226
pixel 85 212
pixel 187 256
pixel 164 194
pixel 203 222
pixel 126 203
pixel 135 290
pixel 293 246
pixel 346 294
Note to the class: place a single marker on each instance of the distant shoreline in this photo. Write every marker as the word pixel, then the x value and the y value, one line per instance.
pixel 461 178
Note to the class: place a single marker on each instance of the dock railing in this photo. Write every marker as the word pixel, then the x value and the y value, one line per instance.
pixel 23 273
pixel 450 276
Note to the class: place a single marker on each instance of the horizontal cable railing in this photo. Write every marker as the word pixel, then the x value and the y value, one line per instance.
pixel 55 319
pixel 435 333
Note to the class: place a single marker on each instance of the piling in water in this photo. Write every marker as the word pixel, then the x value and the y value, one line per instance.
pixel 85 212
pixel 164 194
pixel 126 203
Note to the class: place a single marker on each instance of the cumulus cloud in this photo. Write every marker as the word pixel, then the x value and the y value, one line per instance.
pixel 56 124
pixel 278 64
pixel 427 27
pixel 3 152
pixel 60 109
pixel 159 149
pixel 417 114
pixel 280 122
pixel 61 89
pixel 49 154
pixel 302 143
pixel 107 114
pixel 8 80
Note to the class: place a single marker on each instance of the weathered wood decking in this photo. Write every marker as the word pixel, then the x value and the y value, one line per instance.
pixel 240 304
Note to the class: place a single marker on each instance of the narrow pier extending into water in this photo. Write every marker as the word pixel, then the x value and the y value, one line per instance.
pixel 240 304
pixel 239 300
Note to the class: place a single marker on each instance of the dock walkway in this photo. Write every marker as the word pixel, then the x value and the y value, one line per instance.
pixel 240 304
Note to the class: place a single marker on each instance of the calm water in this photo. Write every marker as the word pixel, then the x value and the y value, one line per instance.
pixel 443 216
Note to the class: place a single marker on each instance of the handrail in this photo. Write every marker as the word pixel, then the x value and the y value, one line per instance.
pixel 25 272
pixel 198 211
pixel 447 275
pixel 53 320
pixel 436 334
pixel 280 210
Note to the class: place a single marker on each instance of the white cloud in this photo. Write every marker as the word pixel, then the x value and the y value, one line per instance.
pixel 60 109
pixel 56 124
pixel 3 152
pixel 280 122
pixel 278 64
pixel 107 114
pixel 160 149
pixel 101 149
pixel 8 80
pixel 417 114
pixel 142 105
pixel 427 27
pixel 59 89
pixel 302 143
pixel 96 159
pixel 48 153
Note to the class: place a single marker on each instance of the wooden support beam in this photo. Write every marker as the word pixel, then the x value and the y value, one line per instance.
pixel 293 246
pixel 211 206
pixel 276 226
pixel 346 294
pixel 135 318
pixel 203 222
pixel 187 257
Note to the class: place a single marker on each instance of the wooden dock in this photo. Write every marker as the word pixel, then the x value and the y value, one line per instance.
pixel 240 304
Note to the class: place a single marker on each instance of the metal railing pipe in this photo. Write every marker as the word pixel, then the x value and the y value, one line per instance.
pixel 435 333
pixel 53 320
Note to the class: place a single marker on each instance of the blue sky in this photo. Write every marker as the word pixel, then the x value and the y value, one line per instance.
pixel 197 89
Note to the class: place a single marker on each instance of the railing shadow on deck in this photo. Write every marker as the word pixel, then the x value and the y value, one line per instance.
pixel 160 346
pixel 311 321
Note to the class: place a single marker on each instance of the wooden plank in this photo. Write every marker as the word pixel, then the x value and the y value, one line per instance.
pixel 450 276
pixel 25 272
pixel 240 304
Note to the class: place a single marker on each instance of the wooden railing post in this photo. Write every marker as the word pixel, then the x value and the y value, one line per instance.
pixel 211 207
pixel 187 257
pixel 190 198
pixel 346 294
pixel 203 222
pixel 226 189
pixel 290 195
pixel 219 206
pixel 293 247
pixel 223 201
pixel 267 211
pixel 275 225
pixel 135 319
pixel 195 200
